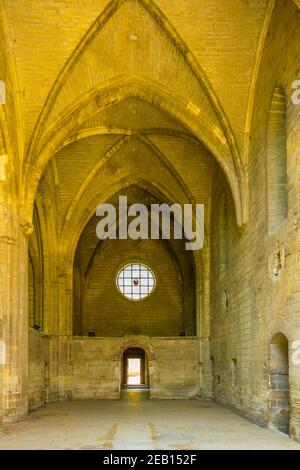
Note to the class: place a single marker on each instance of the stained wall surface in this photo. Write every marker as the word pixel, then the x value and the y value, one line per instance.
pixel 189 102
pixel 96 365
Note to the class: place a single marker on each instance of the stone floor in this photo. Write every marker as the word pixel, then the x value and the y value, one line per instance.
pixel 137 423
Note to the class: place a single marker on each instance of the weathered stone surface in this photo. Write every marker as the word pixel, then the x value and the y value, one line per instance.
pixel 188 102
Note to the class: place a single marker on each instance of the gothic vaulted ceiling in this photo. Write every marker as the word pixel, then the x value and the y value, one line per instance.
pixel 113 89
pixel 222 35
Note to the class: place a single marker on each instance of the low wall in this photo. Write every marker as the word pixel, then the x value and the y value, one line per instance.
pixel 173 366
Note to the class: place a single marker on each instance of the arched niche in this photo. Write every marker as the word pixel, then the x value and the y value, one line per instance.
pixel 279 388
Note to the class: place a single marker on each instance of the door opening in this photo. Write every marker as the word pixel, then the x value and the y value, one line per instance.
pixel 135 369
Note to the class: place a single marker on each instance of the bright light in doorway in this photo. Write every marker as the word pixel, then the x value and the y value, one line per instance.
pixel 134 372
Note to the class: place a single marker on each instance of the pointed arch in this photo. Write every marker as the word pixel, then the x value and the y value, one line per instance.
pixel 116 91
pixel 117 147
pixel 79 220
pixel 175 38
pixel 208 124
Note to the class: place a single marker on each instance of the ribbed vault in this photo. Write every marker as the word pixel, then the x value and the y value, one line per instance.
pixel 96 84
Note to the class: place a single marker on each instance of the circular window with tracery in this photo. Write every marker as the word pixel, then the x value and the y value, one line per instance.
pixel 135 281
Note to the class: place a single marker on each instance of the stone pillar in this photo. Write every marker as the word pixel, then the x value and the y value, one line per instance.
pixel 206 378
pixel 65 337
pixel 14 317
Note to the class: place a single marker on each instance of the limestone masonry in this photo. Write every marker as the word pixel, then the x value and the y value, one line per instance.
pixel 163 101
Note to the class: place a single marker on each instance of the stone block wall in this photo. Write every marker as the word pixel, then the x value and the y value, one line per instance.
pixel 108 313
pixel 173 369
pixel 177 368
pixel 258 294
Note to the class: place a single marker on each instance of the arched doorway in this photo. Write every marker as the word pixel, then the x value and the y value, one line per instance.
pixel 135 369
pixel 137 347
pixel 279 398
